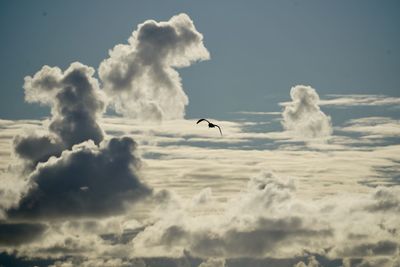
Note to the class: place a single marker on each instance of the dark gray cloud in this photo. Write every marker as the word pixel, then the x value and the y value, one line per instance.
pixel 35 149
pixel 86 181
pixel 14 234
pixel 67 246
pixel 122 238
pixel 385 247
pixel 140 76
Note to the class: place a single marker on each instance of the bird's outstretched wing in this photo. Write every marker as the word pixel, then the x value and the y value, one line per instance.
pixel 202 120
pixel 219 128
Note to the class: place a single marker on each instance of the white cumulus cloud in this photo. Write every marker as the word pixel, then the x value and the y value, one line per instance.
pixel 140 76
pixel 303 116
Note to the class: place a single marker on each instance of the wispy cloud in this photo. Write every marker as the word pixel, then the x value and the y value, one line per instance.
pixel 273 113
pixel 359 100
pixel 351 100
pixel 374 127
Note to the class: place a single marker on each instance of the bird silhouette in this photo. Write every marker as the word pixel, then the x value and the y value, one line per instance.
pixel 210 125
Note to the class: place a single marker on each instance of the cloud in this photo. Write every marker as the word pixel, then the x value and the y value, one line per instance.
pixel 35 148
pixel 359 100
pixel 303 117
pixel 385 199
pixel 13 185
pixel 110 174
pixel 72 172
pixel 99 262
pixel 270 219
pixel 272 113
pixel 264 237
pixel 213 262
pixel 312 262
pixel 373 127
pixel 380 248
pixel 202 197
pixel 377 262
pixel 76 102
pixel 140 76
pixel 72 182
pixel 13 234
pixel 262 221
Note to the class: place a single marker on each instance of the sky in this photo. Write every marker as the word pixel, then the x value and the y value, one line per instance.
pixel 259 49
pixel 102 162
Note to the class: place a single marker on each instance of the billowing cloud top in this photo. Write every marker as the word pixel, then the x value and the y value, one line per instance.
pixel 140 75
pixel 71 171
pixel 86 181
pixel 75 101
pixel 303 117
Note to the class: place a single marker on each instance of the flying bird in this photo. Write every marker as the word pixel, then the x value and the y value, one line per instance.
pixel 210 125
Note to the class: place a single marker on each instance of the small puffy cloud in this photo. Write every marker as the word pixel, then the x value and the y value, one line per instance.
pixel 140 76
pixel 303 116
pixel 110 172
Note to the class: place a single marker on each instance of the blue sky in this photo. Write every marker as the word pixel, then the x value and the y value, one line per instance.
pixel 258 49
